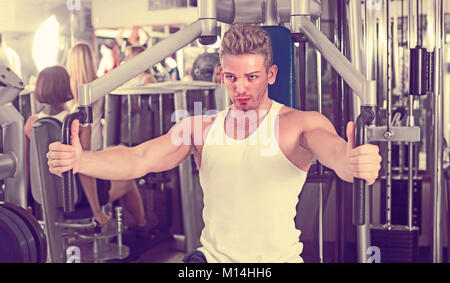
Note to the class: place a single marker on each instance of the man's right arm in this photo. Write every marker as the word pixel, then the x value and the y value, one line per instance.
pixel 124 163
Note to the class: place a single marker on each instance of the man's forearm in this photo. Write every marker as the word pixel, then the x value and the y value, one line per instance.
pixel 115 163
pixel 331 151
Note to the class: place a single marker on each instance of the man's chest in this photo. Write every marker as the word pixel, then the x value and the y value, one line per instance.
pixel 285 134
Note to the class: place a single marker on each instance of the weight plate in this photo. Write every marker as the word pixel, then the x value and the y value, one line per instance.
pixel 13 246
pixel 9 244
pixel 31 243
pixel 35 228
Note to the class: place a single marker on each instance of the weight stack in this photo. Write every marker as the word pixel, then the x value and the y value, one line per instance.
pixel 398 244
pixel 399 201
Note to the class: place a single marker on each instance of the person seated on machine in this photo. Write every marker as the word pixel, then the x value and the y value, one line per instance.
pixel 53 91
pixel 81 67
pixel 253 158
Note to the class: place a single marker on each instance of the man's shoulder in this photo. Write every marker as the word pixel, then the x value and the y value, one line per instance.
pixel 289 113
pixel 292 112
pixel 303 119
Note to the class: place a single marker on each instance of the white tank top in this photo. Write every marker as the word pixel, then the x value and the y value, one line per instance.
pixel 250 194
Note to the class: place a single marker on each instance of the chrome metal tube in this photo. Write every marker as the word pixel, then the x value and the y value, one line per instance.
pixel 370 41
pixel 161 132
pixel 412 24
pixel 89 225
pixel 207 15
pixel 355 34
pixel 385 27
pixel 190 221
pixel 438 134
pixel 320 168
pixel 225 11
pixel 249 11
pixel 89 93
pixel 270 13
pixel 129 124
pixel 410 166
pixel 119 214
pixel 7 165
pixel 363 88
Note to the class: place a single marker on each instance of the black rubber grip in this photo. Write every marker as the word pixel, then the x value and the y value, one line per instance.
pixel 68 179
pixel 359 202
pixel 366 117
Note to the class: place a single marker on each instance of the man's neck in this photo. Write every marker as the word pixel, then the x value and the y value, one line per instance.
pixel 261 109
pixel 246 122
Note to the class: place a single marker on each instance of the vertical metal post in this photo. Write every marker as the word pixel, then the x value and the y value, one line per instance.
pixel 343 118
pixel 129 107
pixel 388 86
pixel 161 132
pixel 355 33
pixel 438 134
pixel 410 165
pixel 186 183
pixel 302 63
pixel 355 36
pixel 119 230
pixel 320 166
pixel 270 13
pixel 412 24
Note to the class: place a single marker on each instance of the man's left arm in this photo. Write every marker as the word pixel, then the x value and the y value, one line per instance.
pixel 320 137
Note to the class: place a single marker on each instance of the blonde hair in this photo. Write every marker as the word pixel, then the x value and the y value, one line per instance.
pixel 247 39
pixel 81 66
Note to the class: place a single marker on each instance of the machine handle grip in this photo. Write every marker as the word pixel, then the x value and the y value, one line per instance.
pixel 366 117
pixel 84 115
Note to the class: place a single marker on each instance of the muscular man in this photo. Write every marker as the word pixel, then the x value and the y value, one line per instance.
pixel 253 158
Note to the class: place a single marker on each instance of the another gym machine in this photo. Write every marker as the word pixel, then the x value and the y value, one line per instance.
pixel 22 238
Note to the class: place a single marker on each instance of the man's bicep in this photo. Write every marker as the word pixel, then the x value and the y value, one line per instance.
pixel 320 137
pixel 317 130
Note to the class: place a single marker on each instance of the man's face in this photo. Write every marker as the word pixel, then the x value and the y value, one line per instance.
pixel 246 79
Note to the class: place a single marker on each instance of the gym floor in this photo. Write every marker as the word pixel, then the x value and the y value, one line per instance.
pixel 162 248
pixel 165 252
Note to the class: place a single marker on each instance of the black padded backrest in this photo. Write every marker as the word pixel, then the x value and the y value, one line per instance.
pixel 44 132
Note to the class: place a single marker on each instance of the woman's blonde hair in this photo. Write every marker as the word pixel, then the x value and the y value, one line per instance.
pixel 247 39
pixel 81 66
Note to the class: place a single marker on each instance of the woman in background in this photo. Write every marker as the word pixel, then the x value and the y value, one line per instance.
pixel 53 92
pixel 81 66
pixel 110 57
